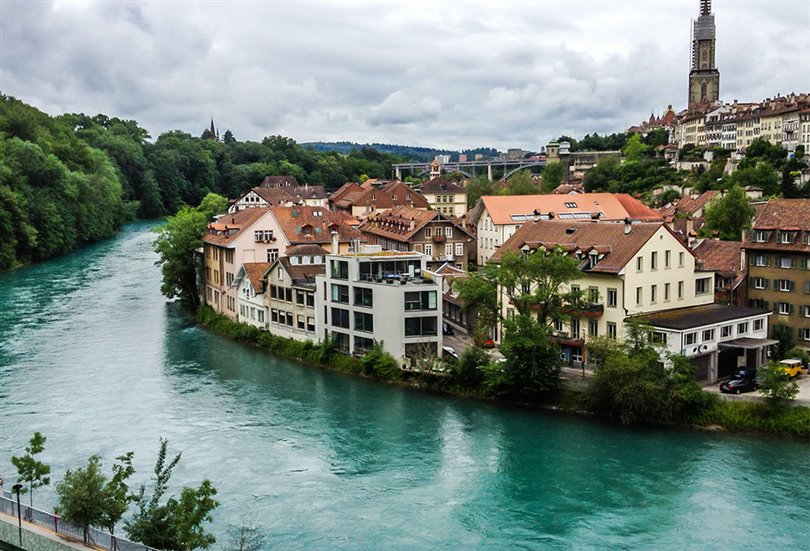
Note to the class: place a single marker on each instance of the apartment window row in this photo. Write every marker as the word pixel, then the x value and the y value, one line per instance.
pixel 281 317
pixel 430 232
pixel 783 285
pixel 779 261
pixel 784 237
pixel 667 292
pixel 726 332
pixel 281 293
pixel 263 236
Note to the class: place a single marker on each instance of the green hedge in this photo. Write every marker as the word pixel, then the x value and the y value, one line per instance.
pixel 744 416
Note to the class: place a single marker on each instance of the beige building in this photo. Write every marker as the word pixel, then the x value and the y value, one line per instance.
pixel 500 216
pixel 290 295
pixel 449 198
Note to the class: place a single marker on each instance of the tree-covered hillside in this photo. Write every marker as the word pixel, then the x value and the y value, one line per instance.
pixel 74 179
pixel 410 153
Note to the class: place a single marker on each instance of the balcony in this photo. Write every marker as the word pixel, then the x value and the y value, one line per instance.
pixel 439 238
pixel 593 311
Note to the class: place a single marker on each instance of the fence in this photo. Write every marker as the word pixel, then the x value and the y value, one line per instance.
pixel 96 539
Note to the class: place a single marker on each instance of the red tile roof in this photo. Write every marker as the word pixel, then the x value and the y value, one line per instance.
pixel 723 257
pixel 440 185
pixel 255 273
pixel 782 214
pixel 402 223
pixel 306 224
pixel 228 227
pixel 613 206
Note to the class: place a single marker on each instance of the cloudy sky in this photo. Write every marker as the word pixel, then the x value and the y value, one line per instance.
pixel 441 74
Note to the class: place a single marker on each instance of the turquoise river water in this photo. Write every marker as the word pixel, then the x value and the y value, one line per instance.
pixel 92 356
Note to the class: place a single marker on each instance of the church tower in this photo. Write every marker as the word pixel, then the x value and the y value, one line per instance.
pixel 704 78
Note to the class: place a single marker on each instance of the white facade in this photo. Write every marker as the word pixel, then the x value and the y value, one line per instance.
pixel 491 236
pixel 387 297
pixel 251 304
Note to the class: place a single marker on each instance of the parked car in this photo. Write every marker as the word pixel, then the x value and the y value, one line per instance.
pixel 449 351
pixel 793 367
pixel 746 373
pixel 447 329
pixel 737 386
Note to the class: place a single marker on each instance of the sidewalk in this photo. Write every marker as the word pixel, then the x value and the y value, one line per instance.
pixel 42 532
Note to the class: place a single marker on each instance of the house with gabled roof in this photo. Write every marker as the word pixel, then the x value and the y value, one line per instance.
pixel 500 216
pixel 643 271
pixel 305 225
pixel 249 283
pixel 726 260
pixel 373 195
pixel 261 197
pixel 439 237
pixel 447 197
pixel 290 296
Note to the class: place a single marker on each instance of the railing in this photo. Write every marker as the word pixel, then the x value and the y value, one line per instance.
pixel 95 539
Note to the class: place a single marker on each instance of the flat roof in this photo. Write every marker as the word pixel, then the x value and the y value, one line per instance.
pixel 698 316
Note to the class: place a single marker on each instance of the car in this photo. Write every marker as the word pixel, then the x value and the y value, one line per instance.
pixel 738 386
pixel 447 329
pixel 792 367
pixel 746 373
pixel 449 351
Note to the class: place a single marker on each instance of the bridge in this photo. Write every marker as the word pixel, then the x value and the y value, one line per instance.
pixel 470 168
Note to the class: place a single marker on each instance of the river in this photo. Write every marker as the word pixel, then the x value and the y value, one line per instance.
pixel 92 356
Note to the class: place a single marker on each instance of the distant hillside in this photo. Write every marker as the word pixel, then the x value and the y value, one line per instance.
pixel 423 154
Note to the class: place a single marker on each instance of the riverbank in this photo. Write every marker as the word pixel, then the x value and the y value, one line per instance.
pixel 737 416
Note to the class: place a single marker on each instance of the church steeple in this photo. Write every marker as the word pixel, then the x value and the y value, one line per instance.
pixel 210 133
pixel 704 78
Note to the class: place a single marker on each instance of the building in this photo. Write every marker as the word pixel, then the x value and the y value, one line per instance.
pixel 313 196
pixel 389 297
pixel 250 287
pixel 447 197
pixel 372 195
pixel 777 252
pixel 259 197
pixel 725 260
pixel 304 225
pixel 440 238
pixel 500 216
pixel 704 78
pixel 627 270
pixel 453 309
pixel 245 236
pixel 290 295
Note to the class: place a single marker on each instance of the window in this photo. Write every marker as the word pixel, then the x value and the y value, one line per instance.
pixel 421 326
pixel 363 344
pixel 785 285
pixel 339 269
pixel 274 315
pixel 639 263
pixel 786 262
pixel 666 292
pixel 654 260
pixel 363 297
pixel 708 335
pixel 363 321
pixel 638 295
pixel 593 328
pixel 300 297
pixel 341 341
pixel 725 331
pixel 759 324
pixel 787 237
pixel 229 256
pixel 666 259
pixel 459 249
pixel 311 324
pixel 658 337
pixel 272 255
pixel 611 330
pixel 571 205
pixel 228 279
pixel 593 295
pixel 742 328
pixel 448 232
pixel 311 299
pixel 428 232
pixel 612 298
pixel 690 338
pixel 759 283
pixel 420 300
pixel 680 260
pixel 785 309
pixel 340 293
pixel 653 291
pixel 804 334
pixel 558 326
pixel 760 260
pixel 448 250
pixel 575 329
pixel 340 318
pixel 301 322
pixel 428 249
pixel 702 286
pixel 261 315
pixel 761 236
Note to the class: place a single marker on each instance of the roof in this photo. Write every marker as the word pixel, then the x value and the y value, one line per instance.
pixel 306 224
pixel 279 181
pixel 720 256
pixel 224 230
pixel 448 270
pixel 782 214
pixel 688 204
pixel 611 206
pixel 306 191
pixel 273 195
pixel 306 250
pixel 379 194
pixel 348 187
pixel 301 274
pixel 566 189
pixel 440 185
pixel 255 273
pixel 402 223
pixel 614 247
pixel 681 319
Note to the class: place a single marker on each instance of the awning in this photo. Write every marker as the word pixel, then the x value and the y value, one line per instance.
pixel 747 343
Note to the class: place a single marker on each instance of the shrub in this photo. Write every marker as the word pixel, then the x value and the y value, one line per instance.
pixel 776 384
pixel 468 371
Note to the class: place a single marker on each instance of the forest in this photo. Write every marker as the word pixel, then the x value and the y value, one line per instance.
pixel 74 179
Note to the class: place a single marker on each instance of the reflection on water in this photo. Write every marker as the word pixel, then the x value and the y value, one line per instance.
pixel 92 356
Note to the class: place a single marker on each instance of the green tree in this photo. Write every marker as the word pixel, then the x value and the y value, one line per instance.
pixel 30 470
pixel 177 244
pixel 635 149
pixel 521 183
pixel 777 386
pixel 177 524
pixel 476 188
pixel 117 496
pixel 552 176
pixel 81 497
pixel 730 215
pixel 784 335
pixel 533 365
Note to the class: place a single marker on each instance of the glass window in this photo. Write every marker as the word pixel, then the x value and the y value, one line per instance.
pixel 654 260
pixel 428 232
pixel 666 259
pixel 786 262
pixel 680 260
pixel 363 344
pixel 593 328
pixel 758 325
pixel 611 329
pixel 340 318
pixel 612 298
pixel 363 321
pixel 638 295
pixel 448 231
pixel 708 335
pixel 340 293
pixel 725 331
pixel 742 328
pixel 421 326
pixel 690 338
pixel 363 297
pixel 420 300
pixel 459 249
pixel 639 263
pixel 339 269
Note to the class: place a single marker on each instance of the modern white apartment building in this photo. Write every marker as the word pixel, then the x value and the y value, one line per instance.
pixel 384 296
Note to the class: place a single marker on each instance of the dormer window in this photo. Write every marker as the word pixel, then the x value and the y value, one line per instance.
pixel 571 205
pixel 787 237
pixel 593 258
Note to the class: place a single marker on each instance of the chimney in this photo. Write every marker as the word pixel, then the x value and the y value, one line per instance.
pixel 335 243
pixel 628 227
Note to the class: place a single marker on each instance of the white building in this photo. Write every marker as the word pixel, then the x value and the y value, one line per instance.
pixel 249 282
pixel 387 297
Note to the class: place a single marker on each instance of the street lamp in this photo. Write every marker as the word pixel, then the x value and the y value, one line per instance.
pixel 16 488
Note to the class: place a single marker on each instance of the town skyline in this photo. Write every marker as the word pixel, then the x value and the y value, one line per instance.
pixel 454 75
